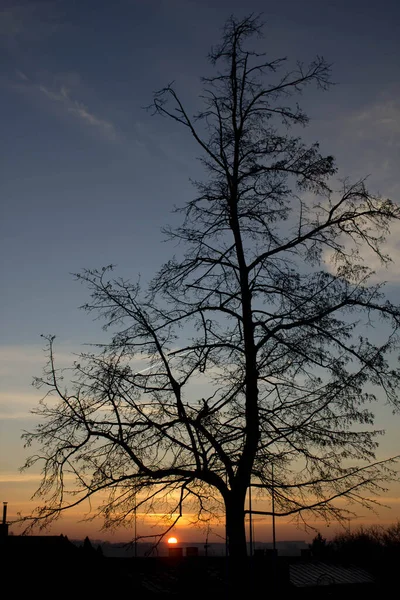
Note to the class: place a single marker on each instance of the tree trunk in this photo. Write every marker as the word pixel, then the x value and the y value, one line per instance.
pixel 235 525
pixel 237 561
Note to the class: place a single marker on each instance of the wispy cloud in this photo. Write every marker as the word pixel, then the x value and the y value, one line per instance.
pixel 29 20
pixel 17 360
pixel 15 416
pixel 18 406
pixel 17 477
pixel 59 96
pixel 10 24
pixel 370 139
pixel 80 111
pixel 22 76
pixel 382 272
pixel 18 355
pixel 18 365
pixel 380 120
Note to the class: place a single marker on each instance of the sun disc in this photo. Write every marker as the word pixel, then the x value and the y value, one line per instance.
pixel 172 540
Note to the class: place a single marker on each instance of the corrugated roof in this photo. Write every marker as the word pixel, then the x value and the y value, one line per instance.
pixel 318 573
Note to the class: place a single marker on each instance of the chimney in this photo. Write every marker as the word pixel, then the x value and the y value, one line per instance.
pixel 4 524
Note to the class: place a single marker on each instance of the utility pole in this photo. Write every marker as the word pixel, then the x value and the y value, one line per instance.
pixel 273 508
pixel 250 523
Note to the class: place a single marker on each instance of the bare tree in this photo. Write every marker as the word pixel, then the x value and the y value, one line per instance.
pixel 268 308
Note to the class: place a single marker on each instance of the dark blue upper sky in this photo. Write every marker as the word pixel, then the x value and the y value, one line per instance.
pixel 88 177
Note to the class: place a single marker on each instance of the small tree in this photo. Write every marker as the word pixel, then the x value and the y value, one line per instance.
pixel 254 310
pixel 319 547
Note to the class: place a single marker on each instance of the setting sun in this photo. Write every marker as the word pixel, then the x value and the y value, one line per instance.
pixel 172 540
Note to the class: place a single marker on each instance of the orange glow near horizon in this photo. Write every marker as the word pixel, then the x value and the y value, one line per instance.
pixel 16 490
pixel 172 540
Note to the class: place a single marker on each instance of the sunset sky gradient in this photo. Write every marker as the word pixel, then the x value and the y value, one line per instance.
pixel 89 177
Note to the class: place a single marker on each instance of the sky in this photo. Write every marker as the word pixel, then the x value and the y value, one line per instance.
pixel 89 177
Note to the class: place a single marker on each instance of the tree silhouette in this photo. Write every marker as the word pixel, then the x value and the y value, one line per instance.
pixel 268 309
pixel 319 547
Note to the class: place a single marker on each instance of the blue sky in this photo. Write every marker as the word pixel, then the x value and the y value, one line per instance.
pixel 88 177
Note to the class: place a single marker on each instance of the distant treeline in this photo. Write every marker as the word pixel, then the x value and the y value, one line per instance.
pixel 376 548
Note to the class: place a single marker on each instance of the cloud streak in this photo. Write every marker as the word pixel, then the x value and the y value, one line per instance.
pixel 29 21
pixel 389 272
pixel 80 111
pixel 18 477
pixel 380 120
pixel 61 98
